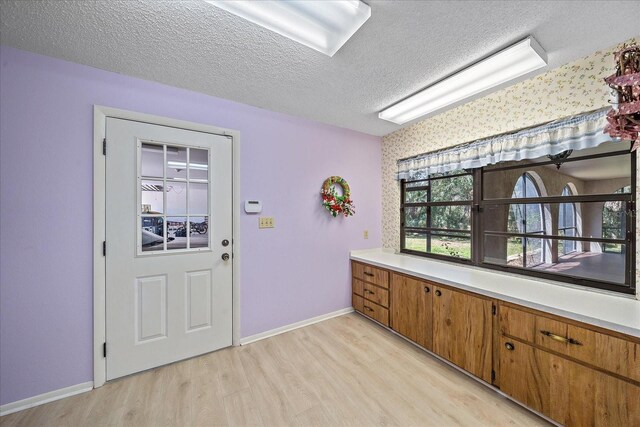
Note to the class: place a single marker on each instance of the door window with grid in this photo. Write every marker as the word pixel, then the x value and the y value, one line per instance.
pixel 173 198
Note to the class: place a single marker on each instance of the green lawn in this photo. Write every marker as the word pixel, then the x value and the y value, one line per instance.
pixel 457 248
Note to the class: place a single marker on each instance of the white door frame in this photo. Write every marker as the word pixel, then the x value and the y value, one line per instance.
pixel 100 115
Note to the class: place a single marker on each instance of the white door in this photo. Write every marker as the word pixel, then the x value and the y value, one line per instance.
pixel 168 245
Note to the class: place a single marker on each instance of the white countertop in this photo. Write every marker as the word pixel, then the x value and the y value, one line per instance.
pixel 618 313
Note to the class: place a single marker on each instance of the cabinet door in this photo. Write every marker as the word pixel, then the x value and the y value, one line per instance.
pixel 462 327
pixel 567 392
pixel 525 374
pixel 411 309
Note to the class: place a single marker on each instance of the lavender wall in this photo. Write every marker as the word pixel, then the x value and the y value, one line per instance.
pixel 293 272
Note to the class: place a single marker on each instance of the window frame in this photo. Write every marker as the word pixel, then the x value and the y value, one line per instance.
pixel 165 216
pixel 623 222
pixel 429 230
pixel 478 232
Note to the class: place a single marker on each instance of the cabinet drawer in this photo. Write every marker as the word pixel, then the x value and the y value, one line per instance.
pixel 370 274
pixel 358 303
pixel 376 312
pixel 604 351
pixel 358 287
pixel 517 323
pixel 378 295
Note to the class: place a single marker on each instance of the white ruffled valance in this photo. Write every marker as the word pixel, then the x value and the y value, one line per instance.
pixel 573 133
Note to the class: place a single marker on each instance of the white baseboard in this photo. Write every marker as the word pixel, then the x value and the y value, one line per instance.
pixel 291 327
pixel 43 398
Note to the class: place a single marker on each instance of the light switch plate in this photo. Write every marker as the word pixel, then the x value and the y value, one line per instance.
pixel 266 222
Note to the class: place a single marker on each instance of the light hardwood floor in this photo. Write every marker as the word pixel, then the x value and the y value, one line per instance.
pixel 346 371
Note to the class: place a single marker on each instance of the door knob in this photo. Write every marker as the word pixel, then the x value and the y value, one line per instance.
pixel 225 256
pixel 225 242
pixel 509 346
pixel 426 289
pixel 438 293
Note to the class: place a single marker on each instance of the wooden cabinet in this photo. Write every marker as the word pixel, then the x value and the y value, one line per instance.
pixel 611 353
pixel 574 373
pixel 411 309
pixel 568 392
pixel 370 294
pixel 462 330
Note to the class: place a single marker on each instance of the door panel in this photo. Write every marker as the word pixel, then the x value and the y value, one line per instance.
pixel 462 328
pixel 411 309
pixel 199 299
pixel 168 290
pixel 151 308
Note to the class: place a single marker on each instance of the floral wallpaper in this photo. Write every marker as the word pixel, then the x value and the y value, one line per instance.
pixel 573 88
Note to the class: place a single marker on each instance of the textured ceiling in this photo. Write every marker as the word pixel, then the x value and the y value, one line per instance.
pixel 404 47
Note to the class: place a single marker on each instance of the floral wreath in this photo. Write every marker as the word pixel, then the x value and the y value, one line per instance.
pixel 335 204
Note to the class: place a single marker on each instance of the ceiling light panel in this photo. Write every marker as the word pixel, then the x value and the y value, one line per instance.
pixel 321 25
pixel 508 64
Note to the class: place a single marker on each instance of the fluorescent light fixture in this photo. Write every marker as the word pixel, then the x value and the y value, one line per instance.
pixel 508 64
pixel 183 165
pixel 321 25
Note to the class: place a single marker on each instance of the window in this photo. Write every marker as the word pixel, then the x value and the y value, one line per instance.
pixel 567 224
pixel 173 198
pixel 436 215
pixel 564 221
pixel 527 219
pixel 614 221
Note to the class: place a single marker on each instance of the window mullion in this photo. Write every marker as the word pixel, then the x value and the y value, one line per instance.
pixel 477 235
pixel 429 219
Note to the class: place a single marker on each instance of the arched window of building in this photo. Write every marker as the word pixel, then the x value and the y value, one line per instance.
pixel 527 219
pixel 567 224
pixel 614 222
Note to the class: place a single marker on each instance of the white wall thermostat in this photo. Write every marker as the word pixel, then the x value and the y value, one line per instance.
pixel 253 206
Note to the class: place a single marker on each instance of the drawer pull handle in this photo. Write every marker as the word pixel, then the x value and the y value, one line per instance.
pixel 366 273
pixel 560 338
pixel 369 292
pixel 426 289
pixel 438 293
pixel 366 307
pixel 509 346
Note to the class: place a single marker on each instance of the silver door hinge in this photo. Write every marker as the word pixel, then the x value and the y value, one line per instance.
pixel 104 349
pixel 104 146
